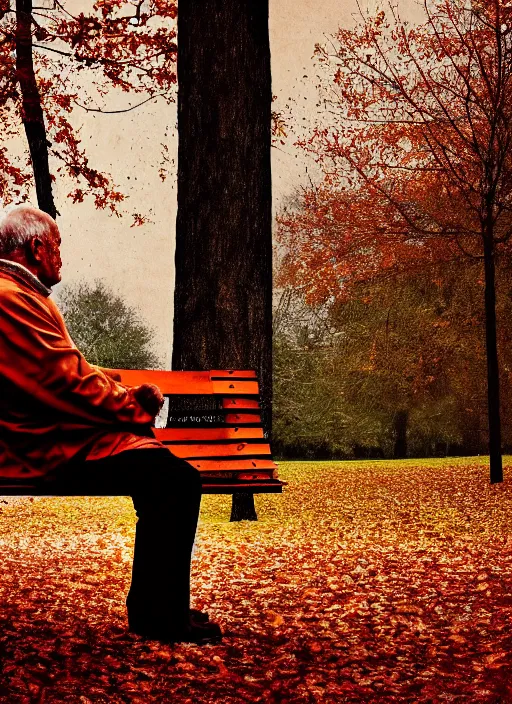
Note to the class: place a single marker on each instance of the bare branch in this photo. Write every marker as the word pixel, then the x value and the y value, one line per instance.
pixel 115 112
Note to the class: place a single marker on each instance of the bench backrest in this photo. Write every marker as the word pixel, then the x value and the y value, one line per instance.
pixel 213 420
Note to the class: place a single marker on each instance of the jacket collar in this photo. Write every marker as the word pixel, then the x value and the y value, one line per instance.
pixel 23 275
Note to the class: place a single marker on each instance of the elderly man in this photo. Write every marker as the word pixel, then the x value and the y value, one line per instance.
pixel 74 427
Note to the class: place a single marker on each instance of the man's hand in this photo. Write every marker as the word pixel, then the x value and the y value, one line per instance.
pixel 150 398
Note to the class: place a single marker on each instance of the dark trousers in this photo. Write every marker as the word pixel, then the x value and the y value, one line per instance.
pixel 166 494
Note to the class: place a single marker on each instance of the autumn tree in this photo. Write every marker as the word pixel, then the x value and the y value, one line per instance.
pixel 47 57
pixel 223 294
pixel 417 153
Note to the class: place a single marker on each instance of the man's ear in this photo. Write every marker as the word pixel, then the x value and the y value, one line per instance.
pixel 35 250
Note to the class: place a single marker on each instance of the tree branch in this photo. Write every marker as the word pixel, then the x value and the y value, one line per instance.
pixel 116 112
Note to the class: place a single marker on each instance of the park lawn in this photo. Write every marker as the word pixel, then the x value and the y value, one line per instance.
pixel 371 581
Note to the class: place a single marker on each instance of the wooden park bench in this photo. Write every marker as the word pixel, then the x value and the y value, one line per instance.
pixel 212 420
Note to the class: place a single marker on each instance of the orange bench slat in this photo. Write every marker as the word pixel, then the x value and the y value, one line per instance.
pixel 243 418
pixel 235 387
pixel 227 450
pixel 229 465
pixel 236 373
pixel 187 383
pixel 240 403
pixel 169 382
pixel 197 434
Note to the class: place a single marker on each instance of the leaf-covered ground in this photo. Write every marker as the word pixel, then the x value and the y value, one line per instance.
pixel 363 582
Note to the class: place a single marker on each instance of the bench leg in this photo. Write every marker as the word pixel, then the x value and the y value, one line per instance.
pixel 242 508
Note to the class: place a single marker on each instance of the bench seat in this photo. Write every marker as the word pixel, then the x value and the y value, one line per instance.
pixel 212 420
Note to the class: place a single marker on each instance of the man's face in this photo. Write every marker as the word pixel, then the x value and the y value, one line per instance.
pixel 49 261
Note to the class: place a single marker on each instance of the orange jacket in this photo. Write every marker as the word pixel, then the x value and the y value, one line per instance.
pixel 53 403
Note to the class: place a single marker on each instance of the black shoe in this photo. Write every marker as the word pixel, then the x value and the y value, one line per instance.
pixel 200 633
pixel 199 616
pixel 196 617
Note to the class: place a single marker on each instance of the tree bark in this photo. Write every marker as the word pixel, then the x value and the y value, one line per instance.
pixel 493 377
pixel 223 293
pixel 31 109
pixel 400 428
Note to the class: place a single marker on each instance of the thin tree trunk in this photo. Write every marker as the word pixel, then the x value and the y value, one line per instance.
pixel 223 292
pixel 400 428
pixel 493 377
pixel 31 110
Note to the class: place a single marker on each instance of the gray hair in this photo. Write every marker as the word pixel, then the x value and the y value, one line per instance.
pixel 21 223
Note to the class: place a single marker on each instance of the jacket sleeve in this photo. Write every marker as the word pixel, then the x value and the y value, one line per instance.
pixel 112 373
pixel 38 356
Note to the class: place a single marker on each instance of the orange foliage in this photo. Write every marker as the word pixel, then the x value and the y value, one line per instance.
pixel 417 157
pixel 339 238
pixel 115 44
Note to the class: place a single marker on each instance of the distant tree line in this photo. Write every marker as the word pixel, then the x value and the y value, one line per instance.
pixel 398 370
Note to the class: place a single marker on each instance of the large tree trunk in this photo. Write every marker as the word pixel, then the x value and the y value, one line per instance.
pixel 223 294
pixel 493 377
pixel 31 110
